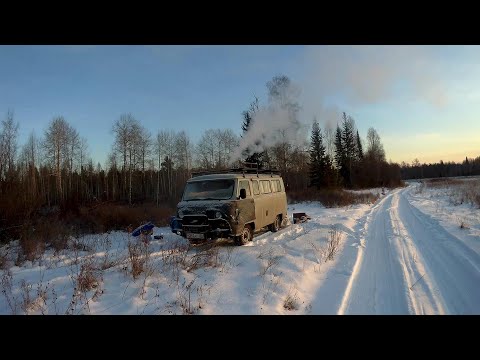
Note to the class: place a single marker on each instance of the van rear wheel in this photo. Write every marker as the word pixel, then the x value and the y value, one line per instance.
pixel 245 236
pixel 276 224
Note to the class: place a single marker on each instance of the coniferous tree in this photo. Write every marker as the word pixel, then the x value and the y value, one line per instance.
pixel 318 159
pixel 359 148
pixel 358 175
pixel 349 148
pixel 339 153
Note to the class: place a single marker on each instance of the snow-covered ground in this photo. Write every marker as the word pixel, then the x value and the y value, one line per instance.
pixel 405 254
pixel 417 259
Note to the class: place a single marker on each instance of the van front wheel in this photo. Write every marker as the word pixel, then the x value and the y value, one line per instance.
pixel 245 236
pixel 276 224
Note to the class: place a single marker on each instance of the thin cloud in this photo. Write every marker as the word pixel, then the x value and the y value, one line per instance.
pixel 368 75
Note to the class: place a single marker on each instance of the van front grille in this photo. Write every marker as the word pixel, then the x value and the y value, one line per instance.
pixel 195 220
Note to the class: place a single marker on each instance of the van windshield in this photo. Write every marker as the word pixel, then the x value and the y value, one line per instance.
pixel 209 190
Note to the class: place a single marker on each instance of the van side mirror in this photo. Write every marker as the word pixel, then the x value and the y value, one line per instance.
pixel 243 193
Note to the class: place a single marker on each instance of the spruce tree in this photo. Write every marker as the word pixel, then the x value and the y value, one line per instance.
pixel 320 166
pixel 339 153
pixel 359 148
pixel 317 156
pixel 349 148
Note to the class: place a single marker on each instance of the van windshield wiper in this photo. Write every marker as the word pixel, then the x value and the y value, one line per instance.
pixel 207 199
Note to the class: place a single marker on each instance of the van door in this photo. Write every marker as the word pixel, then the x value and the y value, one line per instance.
pixel 280 198
pixel 246 206
pixel 268 204
pixel 259 204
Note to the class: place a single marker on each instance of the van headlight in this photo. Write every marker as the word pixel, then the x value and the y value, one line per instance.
pixel 218 215
pixel 180 214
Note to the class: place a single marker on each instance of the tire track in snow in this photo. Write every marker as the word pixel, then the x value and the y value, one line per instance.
pixel 411 265
pixel 452 267
pixel 421 289
pixel 377 284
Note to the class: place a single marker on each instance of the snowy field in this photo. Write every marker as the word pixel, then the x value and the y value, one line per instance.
pixel 415 251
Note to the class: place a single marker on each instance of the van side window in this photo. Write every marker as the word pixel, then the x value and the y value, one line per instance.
pixel 243 184
pixel 256 189
pixel 266 186
pixel 276 186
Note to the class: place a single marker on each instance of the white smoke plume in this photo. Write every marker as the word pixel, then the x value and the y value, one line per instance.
pixel 278 123
pixel 270 126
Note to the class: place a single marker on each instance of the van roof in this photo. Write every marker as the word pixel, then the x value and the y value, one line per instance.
pixel 234 176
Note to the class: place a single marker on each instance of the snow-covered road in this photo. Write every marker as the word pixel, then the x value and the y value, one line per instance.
pixel 411 265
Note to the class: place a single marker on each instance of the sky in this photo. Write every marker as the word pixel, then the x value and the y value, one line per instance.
pixel 424 101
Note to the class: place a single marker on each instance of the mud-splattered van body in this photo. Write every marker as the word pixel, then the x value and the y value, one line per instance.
pixel 230 205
